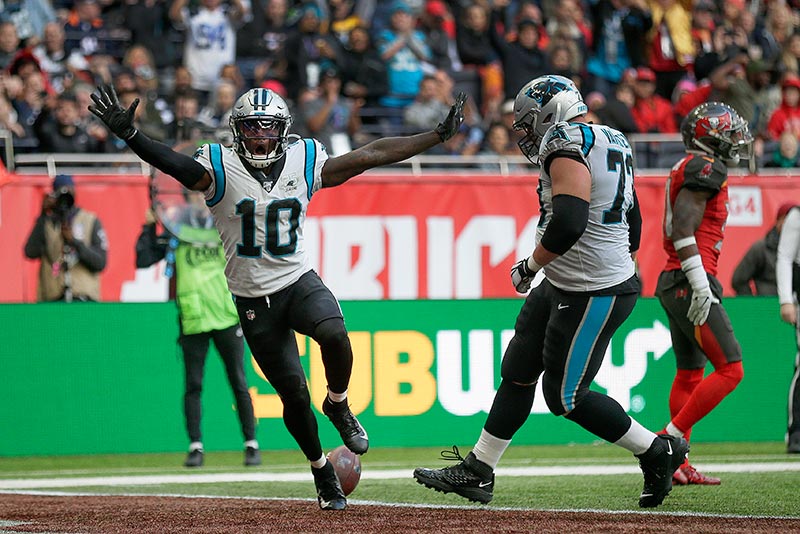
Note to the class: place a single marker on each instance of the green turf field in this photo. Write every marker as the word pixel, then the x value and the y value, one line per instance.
pixel 772 490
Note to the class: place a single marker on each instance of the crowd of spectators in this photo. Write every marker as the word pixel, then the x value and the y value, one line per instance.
pixel 356 69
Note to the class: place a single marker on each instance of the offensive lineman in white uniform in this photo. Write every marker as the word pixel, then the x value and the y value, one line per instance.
pixel 258 191
pixel 588 233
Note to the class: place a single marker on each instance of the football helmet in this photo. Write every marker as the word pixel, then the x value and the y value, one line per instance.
pixel 260 121
pixel 716 129
pixel 541 103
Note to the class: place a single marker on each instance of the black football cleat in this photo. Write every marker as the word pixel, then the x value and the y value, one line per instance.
pixel 658 464
pixel 329 492
pixel 353 434
pixel 194 458
pixel 470 478
pixel 252 457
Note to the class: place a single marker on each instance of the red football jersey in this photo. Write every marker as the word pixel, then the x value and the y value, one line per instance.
pixel 699 172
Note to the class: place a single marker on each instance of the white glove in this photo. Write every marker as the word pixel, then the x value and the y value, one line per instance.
pixel 702 299
pixel 522 274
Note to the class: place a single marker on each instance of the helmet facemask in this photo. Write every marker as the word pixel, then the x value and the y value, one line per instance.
pixel 260 121
pixel 540 104
pixel 717 130
pixel 260 141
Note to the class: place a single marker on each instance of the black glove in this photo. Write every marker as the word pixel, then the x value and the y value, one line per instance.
pixel 109 110
pixel 449 127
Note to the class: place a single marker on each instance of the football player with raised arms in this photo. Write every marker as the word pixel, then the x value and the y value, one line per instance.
pixel 589 230
pixel 258 191
pixel 696 211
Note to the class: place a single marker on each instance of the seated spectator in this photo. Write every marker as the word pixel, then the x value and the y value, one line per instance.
pixel 181 85
pixel 331 117
pixel 785 157
pixel 9 44
pixel 755 273
pixel 428 108
pixel 9 118
pixel 186 127
pixel 497 142
pixel 58 129
pixel 562 61
pixel 233 74
pixel 61 68
pixel 651 112
pixel 787 117
pixel 595 101
pixel 218 111
pixel 363 71
pixel 405 52
pixel 618 110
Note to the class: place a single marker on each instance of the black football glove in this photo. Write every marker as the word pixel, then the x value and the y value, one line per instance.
pixel 107 107
pixel 449 127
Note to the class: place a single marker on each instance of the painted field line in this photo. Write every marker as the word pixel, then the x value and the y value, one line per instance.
pixel 386 474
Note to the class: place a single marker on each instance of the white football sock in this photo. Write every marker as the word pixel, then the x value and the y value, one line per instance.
pixel 337 397
pixel 637 439
pixel 489 449
pixel 196 446
pixel 251 443
pixel 319 463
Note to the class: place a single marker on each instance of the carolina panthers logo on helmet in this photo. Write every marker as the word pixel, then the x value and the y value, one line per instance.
pixel 545 90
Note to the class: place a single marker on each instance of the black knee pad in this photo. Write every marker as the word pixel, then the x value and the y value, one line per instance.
pixel 517 368
pixel 331 332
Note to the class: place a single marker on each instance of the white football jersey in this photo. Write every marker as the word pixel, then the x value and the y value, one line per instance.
pixel 261 229
pixel 601 257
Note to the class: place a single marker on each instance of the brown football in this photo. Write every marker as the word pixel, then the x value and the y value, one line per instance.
pixel 347 465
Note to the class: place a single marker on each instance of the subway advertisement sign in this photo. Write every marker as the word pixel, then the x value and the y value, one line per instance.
pixel 108 378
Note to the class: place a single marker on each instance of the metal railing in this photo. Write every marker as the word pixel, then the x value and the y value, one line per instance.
pixel 52 164
pixel 653 153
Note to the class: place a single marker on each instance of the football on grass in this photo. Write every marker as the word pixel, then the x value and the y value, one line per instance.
pixel 347 465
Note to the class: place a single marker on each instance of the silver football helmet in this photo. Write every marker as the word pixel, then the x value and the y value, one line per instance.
pixel 260 121
pixel 541 103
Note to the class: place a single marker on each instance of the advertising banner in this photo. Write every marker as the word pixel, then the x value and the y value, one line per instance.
pixel 108 378
pixel 385 237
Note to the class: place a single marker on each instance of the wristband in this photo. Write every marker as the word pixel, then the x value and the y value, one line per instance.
pixel 532 265
pixel 684 242
pixel 692 267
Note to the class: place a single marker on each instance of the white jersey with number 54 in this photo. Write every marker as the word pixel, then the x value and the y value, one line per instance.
pixel 601 257
pixel 261 226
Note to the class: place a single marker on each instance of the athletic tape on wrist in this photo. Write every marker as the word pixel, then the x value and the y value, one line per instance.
pixel 692 267
pixel 684 242
pixel 532 265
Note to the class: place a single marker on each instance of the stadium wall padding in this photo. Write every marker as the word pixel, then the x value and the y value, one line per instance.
pixel 384 237
pixel 91 378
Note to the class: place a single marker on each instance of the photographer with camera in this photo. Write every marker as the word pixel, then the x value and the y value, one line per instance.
pixel 71 244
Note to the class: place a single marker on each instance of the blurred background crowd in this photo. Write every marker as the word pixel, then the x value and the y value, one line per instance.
pixel 354 70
